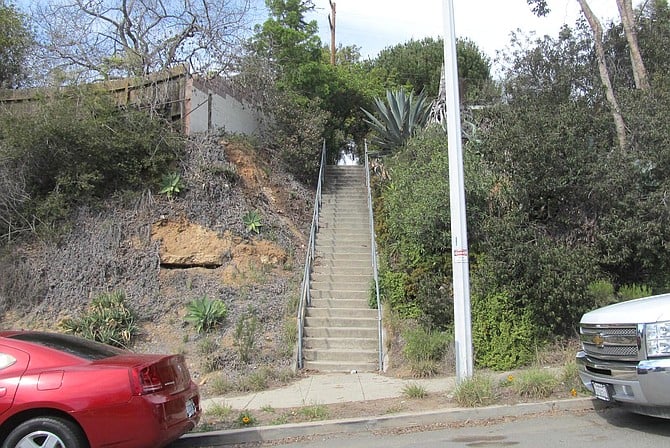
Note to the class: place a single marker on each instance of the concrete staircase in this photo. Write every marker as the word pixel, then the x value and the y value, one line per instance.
pixel 341 330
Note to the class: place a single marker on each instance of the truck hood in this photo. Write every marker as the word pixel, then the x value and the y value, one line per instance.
pixel 639 311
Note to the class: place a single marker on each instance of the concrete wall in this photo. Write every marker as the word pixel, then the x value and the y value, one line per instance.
pixel 212 107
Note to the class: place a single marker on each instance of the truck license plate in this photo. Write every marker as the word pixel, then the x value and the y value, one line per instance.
pixel 190 409
pixel 602 391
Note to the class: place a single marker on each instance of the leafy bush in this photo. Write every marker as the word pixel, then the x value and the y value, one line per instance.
pixel 535 383
pixel 245 335
pixel 78 147
pixel 297 134
pixel 171 185
pixel 502 333
pixel 547 278
pixel 476 391
pixel 424 350
pixel 602 293
pixel 205 313
pixel 392 291
pixel 107 320
pixel 414 390
pixel 630 292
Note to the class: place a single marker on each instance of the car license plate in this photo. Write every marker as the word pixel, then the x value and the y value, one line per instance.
pixel 190 409
pixel 602 391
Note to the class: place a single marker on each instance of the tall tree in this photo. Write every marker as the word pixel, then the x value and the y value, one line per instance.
pixel 111 38
pixel 419 63
pixel 597 29
pixel 541 8
pixel 628 21
pixel 15 42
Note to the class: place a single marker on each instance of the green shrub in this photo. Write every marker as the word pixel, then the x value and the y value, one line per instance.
pixel 421 344
pixel 414 390
pixel 107 320
pixel 476 391
pixel 634 291
pixel 392 291
pixel 535 383
pixel 546 278
pixel 502 333
pixel 171 185
pixel 245 335
pixel 424 350
pixel 252 221
pixel 77 147
pixel 205 313
pixel 602 293
pixel 315 412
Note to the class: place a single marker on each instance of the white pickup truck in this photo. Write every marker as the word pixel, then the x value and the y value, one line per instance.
pixel 625 356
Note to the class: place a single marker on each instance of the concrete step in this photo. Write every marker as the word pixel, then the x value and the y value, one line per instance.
pixel 341 332
pixel 359 303
pixel 331 238
pixel 355 252
pixel 340 286
pixel 342 313
pixel 343 355
pixel 328 213
pixel 360 259
pixel 338 295
pixel 342 270
pixel 362 223
pixel 341 278
pixel 342 343
pixel 348 247
pixel 323 366
pixel 339 322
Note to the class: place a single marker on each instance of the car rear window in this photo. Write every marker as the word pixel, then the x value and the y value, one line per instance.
pixel 72 345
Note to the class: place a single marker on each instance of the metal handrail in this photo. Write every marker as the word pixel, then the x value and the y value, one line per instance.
pixel 305 295
pixel 373 246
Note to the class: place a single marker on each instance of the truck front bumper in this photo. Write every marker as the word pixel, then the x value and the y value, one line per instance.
pixel 639 384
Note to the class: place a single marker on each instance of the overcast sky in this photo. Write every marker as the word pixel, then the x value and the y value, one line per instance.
pixel 377 24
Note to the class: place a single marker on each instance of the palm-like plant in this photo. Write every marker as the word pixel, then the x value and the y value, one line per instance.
pixel 400 116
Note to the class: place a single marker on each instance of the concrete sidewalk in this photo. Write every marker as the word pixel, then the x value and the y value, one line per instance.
pixel 329 388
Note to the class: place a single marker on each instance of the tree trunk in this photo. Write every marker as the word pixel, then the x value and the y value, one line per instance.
pixel 639 71
pixel 597 29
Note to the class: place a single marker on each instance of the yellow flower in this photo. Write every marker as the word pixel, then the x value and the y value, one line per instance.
pixel 510 378
pixel 246 420
pixel 573 392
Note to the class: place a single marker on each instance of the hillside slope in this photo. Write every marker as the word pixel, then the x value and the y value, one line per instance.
pixel 164 253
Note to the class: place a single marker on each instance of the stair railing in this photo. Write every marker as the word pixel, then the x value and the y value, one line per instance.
pixel 373 246
pixel 305 294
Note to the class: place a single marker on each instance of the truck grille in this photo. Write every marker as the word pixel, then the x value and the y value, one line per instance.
pixel 611 342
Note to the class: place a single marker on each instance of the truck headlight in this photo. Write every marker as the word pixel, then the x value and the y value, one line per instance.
pixel 658 339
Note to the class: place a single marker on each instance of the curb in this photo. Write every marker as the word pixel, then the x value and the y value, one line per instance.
pixel 442 416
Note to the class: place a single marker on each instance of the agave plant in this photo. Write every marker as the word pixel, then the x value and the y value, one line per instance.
pixel 400 116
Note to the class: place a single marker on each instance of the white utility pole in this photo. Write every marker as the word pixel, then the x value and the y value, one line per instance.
pixel 459 232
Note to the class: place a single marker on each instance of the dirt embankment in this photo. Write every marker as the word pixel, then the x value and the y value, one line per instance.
pixel 164 253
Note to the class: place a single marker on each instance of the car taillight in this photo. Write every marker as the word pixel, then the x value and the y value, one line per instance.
pixel 146 380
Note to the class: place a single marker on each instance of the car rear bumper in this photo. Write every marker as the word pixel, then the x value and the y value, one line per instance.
pixel 643 384
pixel 152 420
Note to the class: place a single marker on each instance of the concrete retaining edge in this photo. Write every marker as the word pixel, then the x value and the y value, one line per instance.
pixel 441 416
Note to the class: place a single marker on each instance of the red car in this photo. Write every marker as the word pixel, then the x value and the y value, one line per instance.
pixel 62 391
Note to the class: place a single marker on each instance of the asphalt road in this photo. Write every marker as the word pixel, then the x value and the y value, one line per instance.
pixel 611 428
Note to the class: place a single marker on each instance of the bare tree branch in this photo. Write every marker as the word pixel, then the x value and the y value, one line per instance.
pixel 102 39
